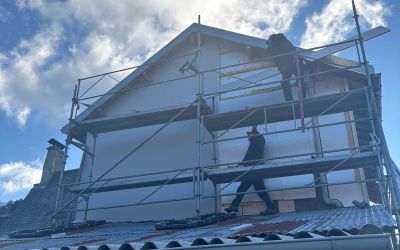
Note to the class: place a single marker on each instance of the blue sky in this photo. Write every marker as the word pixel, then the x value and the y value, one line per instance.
pixel 46 46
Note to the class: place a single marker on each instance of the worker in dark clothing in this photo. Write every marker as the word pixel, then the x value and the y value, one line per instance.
pixel 254 152
pixel 278 44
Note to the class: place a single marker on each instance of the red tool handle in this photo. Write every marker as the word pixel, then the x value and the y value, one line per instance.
pixel 300 91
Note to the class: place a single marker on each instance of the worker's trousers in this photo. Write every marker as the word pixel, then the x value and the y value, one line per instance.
pixel 287 89
pixel 259 186
pixel 287 72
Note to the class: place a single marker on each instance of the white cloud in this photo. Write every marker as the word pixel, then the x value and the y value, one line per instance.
pixel 22 85
pixel 116 34
pixel 17 177
pixel 335 21
pixel 23 115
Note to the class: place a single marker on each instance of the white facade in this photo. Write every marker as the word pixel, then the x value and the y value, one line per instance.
pixel 292 143
pixel 175 147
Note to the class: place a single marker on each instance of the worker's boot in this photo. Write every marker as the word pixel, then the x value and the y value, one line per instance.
pixel 232 209
pixel 270 210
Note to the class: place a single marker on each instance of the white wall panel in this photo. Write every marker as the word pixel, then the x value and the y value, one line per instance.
pixel 337 138
pixel 160 95
pixel 332 138
pixel 277 145
pixel 173 148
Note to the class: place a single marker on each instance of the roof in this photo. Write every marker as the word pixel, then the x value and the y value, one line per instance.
pixel 342 222
pixel 38 206
pixel 213 32
pixel 206 30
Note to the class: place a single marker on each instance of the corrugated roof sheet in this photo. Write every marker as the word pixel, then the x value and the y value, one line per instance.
pixel 341 218
pixel 299 223
pixel 261 229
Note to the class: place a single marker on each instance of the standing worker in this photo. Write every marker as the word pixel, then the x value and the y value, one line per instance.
pixel 254 152
pixel 278 44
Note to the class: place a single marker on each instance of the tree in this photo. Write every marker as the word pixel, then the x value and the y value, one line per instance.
pixel 9 207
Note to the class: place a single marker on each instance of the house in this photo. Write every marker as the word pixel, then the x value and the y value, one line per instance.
pixel 156 181
pixel 164 144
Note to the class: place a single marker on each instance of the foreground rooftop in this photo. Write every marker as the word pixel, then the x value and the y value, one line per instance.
pixel 343 228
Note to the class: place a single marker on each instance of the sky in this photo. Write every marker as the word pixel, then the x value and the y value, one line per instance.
pixel 45 46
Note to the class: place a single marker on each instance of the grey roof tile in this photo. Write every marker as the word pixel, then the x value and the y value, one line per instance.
pixel 341 218
pixel 138 233
pixel 38 206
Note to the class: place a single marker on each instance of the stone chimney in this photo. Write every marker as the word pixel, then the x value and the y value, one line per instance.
pixel 54 162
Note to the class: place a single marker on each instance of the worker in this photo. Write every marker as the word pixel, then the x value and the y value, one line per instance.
pixel 254 152
pixel 278 44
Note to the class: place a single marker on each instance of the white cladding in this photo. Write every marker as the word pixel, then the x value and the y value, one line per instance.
pixel 284 144
pixel 175 147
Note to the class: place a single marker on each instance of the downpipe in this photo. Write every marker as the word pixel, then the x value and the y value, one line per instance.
pixel 325 193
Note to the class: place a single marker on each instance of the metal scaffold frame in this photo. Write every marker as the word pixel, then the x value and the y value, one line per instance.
pixel 388 186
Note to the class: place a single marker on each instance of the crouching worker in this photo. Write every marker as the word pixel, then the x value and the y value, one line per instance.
pixel 278 44
pixel 254 152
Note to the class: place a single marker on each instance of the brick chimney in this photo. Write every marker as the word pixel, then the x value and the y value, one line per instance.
pixel 54 162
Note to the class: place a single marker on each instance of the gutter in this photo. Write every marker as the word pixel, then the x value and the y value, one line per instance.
pixel 325 193
pixel 363 242
pixel 356 242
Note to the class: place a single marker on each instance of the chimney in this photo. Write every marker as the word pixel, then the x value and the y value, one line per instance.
pixel 54 162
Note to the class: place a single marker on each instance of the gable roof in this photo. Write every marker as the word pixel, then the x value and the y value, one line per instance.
pixel 204 29
pixel 193 28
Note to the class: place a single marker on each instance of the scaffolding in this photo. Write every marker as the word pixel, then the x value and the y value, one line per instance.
pixel 375 155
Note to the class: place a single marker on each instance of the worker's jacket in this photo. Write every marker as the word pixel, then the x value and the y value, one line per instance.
pixel 255 150
pixel 282 46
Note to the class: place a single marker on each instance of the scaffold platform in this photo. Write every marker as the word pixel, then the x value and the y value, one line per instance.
pixel 314 106
pixel 226 175
pixel 141 119
pixel 292 168
pixel 155 180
